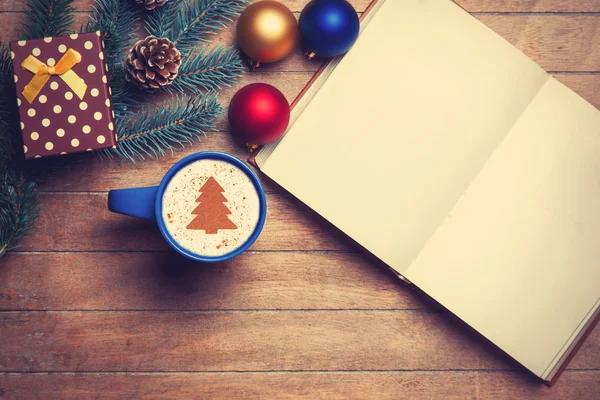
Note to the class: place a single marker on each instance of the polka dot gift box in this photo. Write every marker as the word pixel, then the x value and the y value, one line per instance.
pixel 63 95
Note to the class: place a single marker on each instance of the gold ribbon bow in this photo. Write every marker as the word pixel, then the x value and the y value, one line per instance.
pixel 43 73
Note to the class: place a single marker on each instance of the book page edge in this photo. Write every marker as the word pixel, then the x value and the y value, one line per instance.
pixel 559 364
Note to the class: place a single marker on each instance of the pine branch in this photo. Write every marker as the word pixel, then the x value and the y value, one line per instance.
pixel 118 22
pixel 18 199
pixel 9 114
pixel 9 118
pixel 164 127
pixel 160 22
pixel 190 22
pixel 209 69
pixel 47 18
pixel 19 209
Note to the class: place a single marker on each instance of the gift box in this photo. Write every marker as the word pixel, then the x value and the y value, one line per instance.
pixel 63 95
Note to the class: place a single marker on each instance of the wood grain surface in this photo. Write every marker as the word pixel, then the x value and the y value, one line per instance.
pixel 95 306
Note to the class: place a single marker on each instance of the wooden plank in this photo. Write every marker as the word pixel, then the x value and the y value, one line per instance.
pixel 279 386
pixel 559 42
pixel 143 281
pixel 555 42
pixel 82 222
pixel 571 385
pixel 360 5
pixel 248 341
pixel 527 6
pixel 303 385
pixel 242 341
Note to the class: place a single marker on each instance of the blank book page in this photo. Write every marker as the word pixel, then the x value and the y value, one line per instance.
pixel 403 124
pixel 518 257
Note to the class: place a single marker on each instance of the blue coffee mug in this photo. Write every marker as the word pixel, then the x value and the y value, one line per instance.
pixel 147 202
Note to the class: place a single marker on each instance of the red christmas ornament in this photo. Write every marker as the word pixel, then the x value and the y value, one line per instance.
pixel 259 114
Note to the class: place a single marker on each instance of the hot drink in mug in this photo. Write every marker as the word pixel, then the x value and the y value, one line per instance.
pixel 209 206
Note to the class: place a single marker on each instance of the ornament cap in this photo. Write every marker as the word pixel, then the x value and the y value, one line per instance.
pixel 310 54
pixel 253 64
pixel 251 147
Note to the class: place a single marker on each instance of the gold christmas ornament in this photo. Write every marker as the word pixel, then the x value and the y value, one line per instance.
pixel 267 32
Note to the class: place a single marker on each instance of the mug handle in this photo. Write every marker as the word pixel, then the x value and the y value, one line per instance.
pixel 135 202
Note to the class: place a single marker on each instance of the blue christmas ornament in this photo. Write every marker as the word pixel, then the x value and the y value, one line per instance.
pixel 328 28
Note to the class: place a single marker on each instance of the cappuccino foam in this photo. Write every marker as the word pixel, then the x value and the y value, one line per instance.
pixel 216 220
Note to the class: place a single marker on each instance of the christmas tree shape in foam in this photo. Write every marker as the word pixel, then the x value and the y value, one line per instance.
pixel 211 213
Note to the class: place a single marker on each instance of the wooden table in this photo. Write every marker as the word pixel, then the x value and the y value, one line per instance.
pixel 94 306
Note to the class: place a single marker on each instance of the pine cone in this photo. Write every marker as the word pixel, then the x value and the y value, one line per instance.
pixel 151 4
pixel 152 63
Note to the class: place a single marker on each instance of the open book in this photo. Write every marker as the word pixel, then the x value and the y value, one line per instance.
pixel 464 167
